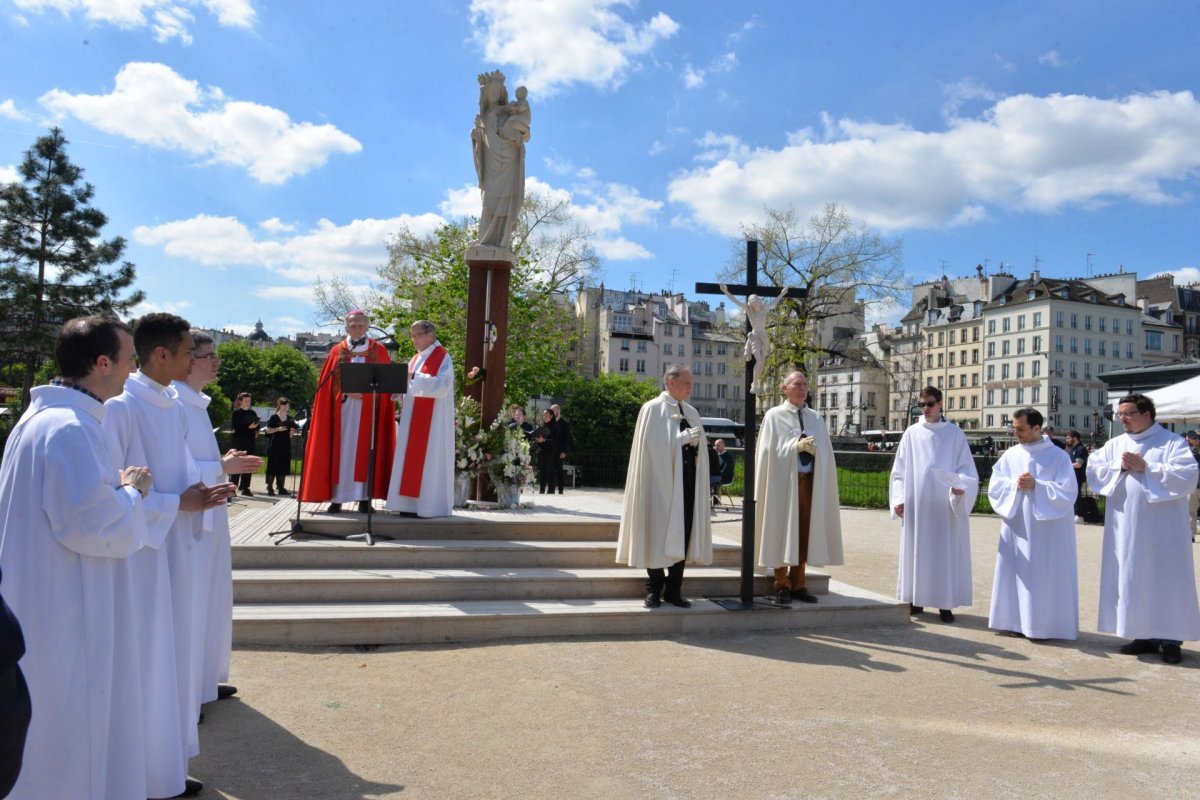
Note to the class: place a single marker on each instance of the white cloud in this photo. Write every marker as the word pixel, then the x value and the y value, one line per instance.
pixel 8 110
pixel 621 249
pixel 145 307
pixel 656 148
pixel 276 225
pixel 300 294
pixel 694 78
pixel 353 250
pixel 9 174
pixel 1023 153
pixel 1054 59
pixel 168 19
pixel 291 324
pixel 154 105
pixel 887 310
pixel 1183 276
pixel 556 43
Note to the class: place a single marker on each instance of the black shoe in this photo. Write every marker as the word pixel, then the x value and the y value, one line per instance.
pixel 914 610
pixel 283 492
pixel 783 597
pixel 247 493
pixel 946 615
pixel 335 508
pixel 678 601
pixel 652 600
pixel 191 788
pixel 1172 654
pixel 1139 646
pixel 225 690
pixel 364 506
pixel 270 493
pixel 803 596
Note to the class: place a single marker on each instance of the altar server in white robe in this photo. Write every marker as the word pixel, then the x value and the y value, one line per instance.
pixel 422 480
pixel 69 521
pixel 1147 583
pixel 933 489
pixel 796 491
pixel 146 424
pixel 1033 490
pixel 665 521
pixel 212 590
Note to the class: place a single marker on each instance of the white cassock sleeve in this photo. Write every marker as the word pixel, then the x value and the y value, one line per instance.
pixel 1003 493
pixel 160 509
pixel 1173 477
pixel 1054 489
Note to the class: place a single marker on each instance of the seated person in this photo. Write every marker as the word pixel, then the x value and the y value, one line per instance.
pixel 724 459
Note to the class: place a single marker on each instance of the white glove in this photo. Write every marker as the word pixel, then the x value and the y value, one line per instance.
pixel 689 436
pixel 807 444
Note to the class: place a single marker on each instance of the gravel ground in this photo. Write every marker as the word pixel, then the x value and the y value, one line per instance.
pixel 923 710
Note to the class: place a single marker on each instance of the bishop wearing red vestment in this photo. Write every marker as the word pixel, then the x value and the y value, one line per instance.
pixel 339 428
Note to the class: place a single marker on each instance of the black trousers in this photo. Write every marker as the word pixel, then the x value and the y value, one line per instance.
pixel 671 579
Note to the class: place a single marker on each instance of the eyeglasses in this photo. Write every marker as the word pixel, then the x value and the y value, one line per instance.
pixel 1127 414
pixel 929 404
pixel 211 356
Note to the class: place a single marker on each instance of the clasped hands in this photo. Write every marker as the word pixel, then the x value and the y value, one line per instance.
pixel 235 462
pixel 139 478
pixel 1025 481
pixel 1133 462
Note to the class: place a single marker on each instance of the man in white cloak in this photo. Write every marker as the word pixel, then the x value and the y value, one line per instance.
pixel 212 589
pixel 1147 583
pixel 665 521
pixel 796 492
pixel 1033 490
pixel 69 521
pixel 147 424
pixel 933 489
pixel 422 482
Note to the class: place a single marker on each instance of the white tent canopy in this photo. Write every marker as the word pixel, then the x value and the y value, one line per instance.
pixel 1177 402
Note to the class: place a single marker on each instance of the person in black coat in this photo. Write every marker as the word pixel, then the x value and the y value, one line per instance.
pixel 15 708
pixel 279 446
pixel 562 438
pixel 245 428
pixel 547 452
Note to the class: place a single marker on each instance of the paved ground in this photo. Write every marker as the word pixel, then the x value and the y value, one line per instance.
pixel 925 710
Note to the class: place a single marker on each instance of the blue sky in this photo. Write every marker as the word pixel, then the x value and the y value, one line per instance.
pixel 246 147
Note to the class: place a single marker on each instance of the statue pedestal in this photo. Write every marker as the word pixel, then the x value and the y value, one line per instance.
pixel 487 330
pixel 489 254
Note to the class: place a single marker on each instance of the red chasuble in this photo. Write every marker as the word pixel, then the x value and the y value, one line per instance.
pixel 418 428
pixel 321 460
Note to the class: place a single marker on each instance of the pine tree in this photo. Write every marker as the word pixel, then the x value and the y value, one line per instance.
pixel 52 258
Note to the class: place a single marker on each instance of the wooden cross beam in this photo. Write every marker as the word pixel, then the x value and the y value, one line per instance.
pixel 750 437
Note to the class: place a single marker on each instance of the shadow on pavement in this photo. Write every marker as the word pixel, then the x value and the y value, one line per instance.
pixel 246 755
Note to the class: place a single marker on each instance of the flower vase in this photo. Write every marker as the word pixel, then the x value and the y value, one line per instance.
pixel 508 496
pixel 462 489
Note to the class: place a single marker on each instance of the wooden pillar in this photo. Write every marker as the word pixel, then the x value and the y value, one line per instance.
pixel 487 323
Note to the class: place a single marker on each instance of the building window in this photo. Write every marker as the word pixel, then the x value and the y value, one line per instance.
pixel 1020 369
pixel 1129 327
pixel 950 401
pixel 708 368
pixel 720 349
pixel 991 349
pixel 1020 395
pixel 625 345
pixel 667 349
pixel 1087 322
pixel 991 395
pixel 721 391
pixel 1058 344
pixel 1074 345
pixel 1087 347
pixel 641 365
pixel 1004 347
pixel 952 358
pixel 1154 340
pixel 1058 319
pixel 951 337
pixel 669 330
pixel 721 368
pixel 991 372
pixel 1102 325
pixel 1006 324
pixel 695 348
pixel 974 378
pixel 1020 322
pixel 940 364
pixel 1004 372
pixel 1004 397
pixel 1037 319
pixel 1087 371
pixel 641 346
pixel 974 355
pixel 1021 345
pixel 1074 320
pixel 951 381
pixel 1037 344
pixel 1035 394
pixel 991 420
pixel 974 402
pixel 1036 369
pixel 624 365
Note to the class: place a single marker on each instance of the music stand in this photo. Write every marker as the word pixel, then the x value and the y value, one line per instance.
pixel 373 380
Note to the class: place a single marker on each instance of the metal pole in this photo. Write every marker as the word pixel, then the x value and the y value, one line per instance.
pixel 750 439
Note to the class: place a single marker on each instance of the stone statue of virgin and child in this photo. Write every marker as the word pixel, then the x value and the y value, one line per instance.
pixel 498 142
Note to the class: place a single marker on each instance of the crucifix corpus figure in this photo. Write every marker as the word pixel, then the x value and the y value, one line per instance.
pixel 758 347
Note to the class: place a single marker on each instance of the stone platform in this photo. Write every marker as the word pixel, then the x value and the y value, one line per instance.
pixel 488 574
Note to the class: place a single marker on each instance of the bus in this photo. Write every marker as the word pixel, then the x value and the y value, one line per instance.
pixel 721 428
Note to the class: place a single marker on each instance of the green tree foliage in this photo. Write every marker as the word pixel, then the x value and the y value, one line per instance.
pixel 266 373
pixel 52 257
pixel 603 413
pixel 220 407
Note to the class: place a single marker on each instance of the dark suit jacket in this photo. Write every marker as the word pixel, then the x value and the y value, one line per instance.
pixel 14 699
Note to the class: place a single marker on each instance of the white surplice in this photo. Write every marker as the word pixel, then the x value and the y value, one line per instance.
pixel 146 426
pixel 777 491
pixel 67 530
pixel 348 490
pixel 212 598
pixel 652 531
pixel 1036 587
pixel 935 546
pixel 1147 583
pixel 437 481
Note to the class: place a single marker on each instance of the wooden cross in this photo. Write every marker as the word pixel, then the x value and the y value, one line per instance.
pixel 749 419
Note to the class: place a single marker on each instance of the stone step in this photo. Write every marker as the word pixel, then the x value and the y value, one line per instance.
pixel 444 553
pixel 497 525
pixel 276 586
pixel 484 620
